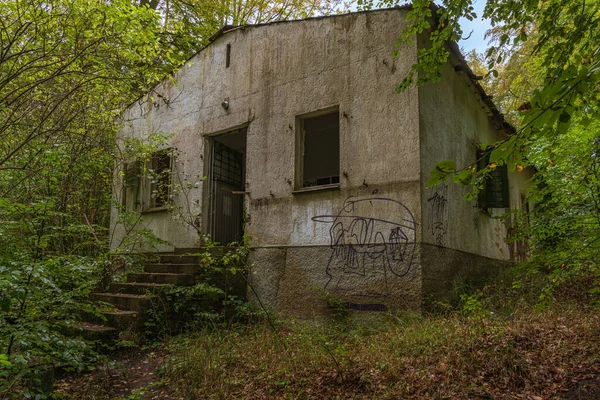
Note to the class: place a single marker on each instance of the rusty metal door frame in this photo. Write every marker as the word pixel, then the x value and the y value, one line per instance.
pixel 217 186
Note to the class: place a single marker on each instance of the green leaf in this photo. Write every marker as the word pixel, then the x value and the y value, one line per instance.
pixel 5 304
pixel 446 166
pixel 464 177
pixel 441 172
pixel 4 360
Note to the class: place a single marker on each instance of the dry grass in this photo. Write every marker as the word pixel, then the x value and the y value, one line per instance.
pixel 527 354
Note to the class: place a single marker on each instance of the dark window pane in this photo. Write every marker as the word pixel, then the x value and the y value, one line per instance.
pixel 495 190
pixel 321 161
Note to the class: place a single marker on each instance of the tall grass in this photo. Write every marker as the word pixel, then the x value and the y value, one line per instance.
pixel 400 356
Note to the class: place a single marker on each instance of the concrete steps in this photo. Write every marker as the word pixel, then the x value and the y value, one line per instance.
pixel 190 269
pixel 129 300
pixel 164 278
pixel 123 301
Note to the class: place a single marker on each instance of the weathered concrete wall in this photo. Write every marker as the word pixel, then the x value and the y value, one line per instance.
pixel 448 273
pixel 370 258
pixel 344 61
pixel 361 239
pixel 291 279
pixel 461 245
pixel 278 72
pixel 453 121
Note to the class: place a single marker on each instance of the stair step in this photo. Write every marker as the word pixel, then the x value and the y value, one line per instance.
pixel 179 259
pixel 92 331
pixel 89 326
pixel 131 302
pixel 162 278
pixel 191 269
pixel 114 318
pixel 136 287
pixel 188 250
pixel 122 319
pixel 193 255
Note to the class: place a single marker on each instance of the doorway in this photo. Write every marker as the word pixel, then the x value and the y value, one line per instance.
pixel 227 182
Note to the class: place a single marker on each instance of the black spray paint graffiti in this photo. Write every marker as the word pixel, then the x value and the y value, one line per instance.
pixel 437 221
pixel 372 239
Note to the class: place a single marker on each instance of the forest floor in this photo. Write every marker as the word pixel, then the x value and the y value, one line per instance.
pixel 548 355
pixel 129 374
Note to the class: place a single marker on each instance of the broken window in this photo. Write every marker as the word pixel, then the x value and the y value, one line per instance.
pixel 160 179
pixel 131 183
pixel 495 186
pixel 318 149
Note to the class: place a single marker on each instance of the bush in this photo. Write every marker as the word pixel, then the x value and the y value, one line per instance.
pixel 40 306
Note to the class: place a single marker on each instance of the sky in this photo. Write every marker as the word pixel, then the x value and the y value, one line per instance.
pixel 479 26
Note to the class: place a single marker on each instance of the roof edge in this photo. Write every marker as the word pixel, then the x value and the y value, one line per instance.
pixel 463 66
pixel 498 117
pixel 228 28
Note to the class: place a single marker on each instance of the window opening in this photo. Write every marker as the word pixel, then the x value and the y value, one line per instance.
pixel 228 56
pixel 160 179
pixel 495 187
pixel 319 144
pixel 131 183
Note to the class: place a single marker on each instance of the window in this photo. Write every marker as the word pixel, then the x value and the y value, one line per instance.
pixel 228 56
pixel 131 183
pixel 159 176
pixel 318 149
pixel 495 187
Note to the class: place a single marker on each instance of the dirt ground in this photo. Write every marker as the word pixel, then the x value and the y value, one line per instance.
pixel 136 375
pixel 130 374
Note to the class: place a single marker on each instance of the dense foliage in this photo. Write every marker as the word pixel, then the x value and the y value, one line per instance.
pixel 543 69
pixel 67 69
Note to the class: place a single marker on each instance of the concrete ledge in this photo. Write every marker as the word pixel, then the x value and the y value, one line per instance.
pixel 312 189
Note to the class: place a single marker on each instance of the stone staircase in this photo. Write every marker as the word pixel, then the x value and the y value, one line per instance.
pixel 130 299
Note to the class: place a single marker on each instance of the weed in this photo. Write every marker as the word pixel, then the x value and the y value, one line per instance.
pixel 337 307
pixel 466 355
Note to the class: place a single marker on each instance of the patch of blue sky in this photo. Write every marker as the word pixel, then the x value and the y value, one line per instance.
pixel 477 29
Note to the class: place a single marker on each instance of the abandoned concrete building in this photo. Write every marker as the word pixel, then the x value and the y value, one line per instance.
pixel 292 133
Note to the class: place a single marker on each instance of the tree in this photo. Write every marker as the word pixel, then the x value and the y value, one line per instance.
pixel 518 77
pixel 564 229
pixel 188 24
pixel 545 62
pixel 67 69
